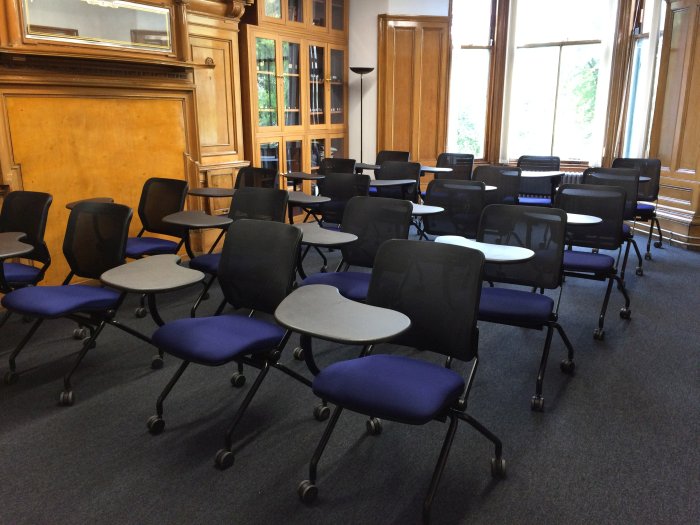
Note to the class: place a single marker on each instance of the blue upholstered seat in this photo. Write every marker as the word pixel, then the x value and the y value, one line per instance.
pixel 139 246
pixel 626 230
pixel 56 301
pixel 644 207
pixel 508 306
pixel 352 285
pixel 20 273
pixel 207 263
pixel 391 387
pixel 217 340
pixel 535 201
pixel 587 262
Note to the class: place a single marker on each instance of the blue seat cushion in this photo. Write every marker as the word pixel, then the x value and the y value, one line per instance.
pixel 20 273
pixel 587 262
pixel 214 341
pixel 645 207
pixel 56 301
pixel 515 307
pixel 139 246
pixel 535 201
pixel 373 190
pixel 390 387
pixel 207 263
pixel 351 285
pixel 626 230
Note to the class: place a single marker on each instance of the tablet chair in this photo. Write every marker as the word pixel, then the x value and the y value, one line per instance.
pixel 256 178
pixel 606 202
pixel 336 165
pixel 264 204
pixel 94 243
pixel 648 196
pixel 437 286
pixel 26 212
pixel 340 188
pixel 506 179
pixel 461 164
pixel 374 220
pixel 538 191
pixel 257 269
pixel 393 170
pixel 541 230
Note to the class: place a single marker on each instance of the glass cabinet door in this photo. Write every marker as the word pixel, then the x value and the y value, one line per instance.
pixel 270 155
pixel 293 152
pixel 295 10
pixel 317 153
pixel 337 86
pixel 338 15
pixel 273 8
pixel 317 94
pixel 318 13
pixel 292 83
pixel 265 59
pixel 338 148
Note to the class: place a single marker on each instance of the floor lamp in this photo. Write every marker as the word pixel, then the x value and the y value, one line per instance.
pixel 362 71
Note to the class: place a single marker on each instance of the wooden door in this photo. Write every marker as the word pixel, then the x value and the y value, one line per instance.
pixel 413 82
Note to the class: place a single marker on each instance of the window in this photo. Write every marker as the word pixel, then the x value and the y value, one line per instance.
pixel 554 92
pixel 644 74
pixel 472 41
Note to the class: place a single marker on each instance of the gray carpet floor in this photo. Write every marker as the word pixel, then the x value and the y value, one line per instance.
pixel 617 443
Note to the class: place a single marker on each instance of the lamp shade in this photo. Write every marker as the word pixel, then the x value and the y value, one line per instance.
pixel 361 70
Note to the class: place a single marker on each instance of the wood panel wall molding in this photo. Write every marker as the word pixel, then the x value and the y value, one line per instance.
pixel 675 135
pixel 413 74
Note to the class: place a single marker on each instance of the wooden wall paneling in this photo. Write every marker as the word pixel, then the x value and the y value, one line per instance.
pixel 413 85
pixel 675 136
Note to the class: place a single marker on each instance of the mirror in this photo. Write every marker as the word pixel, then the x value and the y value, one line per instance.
pixel 114 23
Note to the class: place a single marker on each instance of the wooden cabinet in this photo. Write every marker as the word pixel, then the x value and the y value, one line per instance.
pixel 294 76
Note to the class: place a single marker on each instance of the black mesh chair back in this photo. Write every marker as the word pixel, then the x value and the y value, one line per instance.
pixel 505 178
pixel 540 229
pixel 461 164
pixel 258 263
pixel 27 212
pixel 374 220
pixel 648 191
pixel 606 202
pixel 463 201
pixel 161 197
pixel 625 178
pixel 393 170
pixel 336 165
pixel 95 238
pixel 265 204
pixel 340 188
pixel 537 163
pixel 437 286
pixel 257 178
pixel 389 155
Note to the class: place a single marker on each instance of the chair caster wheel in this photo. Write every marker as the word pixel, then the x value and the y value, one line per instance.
pixel 639 271
pixel 657 244
pixel 498 467
pixel 324 269
pixel 81 333
pixel 321 412
pixel 625 313
pixel 157 362
pixel 598 334
pixel 568 367
pixel 140 312
pixel 224 459
pixel 298 353
pixel 537 404
pixel 374 426
pixel 307 492
pixel 66 398
pixel 11 378
pixel 238 380
pixel 647 256
pixel 156 425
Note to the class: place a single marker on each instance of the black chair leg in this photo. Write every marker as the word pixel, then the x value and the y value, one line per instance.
pixel 156 424
pixel 439 468
pixel 493 438
pixel 660 242
pixel 313 471
pixel 5 317
pixel 200 297
pixel 639 270
pixel 569 346
pixel 66 397
pixel 11 375
pixel 537 401
pixel 624 261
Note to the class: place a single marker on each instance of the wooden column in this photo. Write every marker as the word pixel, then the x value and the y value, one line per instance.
pixel 675 137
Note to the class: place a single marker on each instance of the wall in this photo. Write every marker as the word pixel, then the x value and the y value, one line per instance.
pixel 363 52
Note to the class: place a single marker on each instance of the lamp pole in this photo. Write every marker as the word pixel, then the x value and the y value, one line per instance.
pixel 362 71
